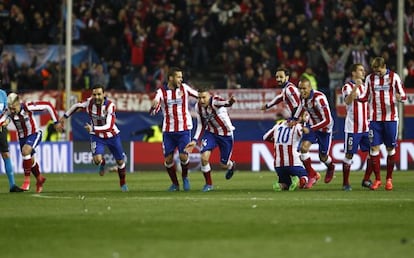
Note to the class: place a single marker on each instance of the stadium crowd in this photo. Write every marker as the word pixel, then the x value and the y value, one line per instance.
pixel 242 41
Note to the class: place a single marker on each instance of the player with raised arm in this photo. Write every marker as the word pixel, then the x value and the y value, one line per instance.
pixel 30 136
pixel 214 123
pixel 290 95
pixel 383 90
pixel 103 131
pixel 173 98
pixel 356 125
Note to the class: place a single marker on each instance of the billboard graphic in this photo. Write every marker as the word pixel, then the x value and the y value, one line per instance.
pixel 53 157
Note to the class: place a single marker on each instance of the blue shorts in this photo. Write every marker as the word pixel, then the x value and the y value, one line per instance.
pixel 114 145
pixel 284 173
pixel 353 140
pixel 225 144
pixel 323 139
pixel 32 140
pixel 173 140
pixel 383 132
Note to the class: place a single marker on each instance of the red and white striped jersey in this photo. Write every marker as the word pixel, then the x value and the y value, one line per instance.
pixel 175 107
pixel 25 121
pixel 214 118
pixel 286 141
pixel 356 120
pixel 317 106
pixel 380 93
pixel 102 117
pixel 290 96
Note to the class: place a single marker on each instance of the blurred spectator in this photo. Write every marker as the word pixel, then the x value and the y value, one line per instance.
pixel 249 79
pixel 336 67
pixel 113 52
pixel 142 80
pixel 80 78
pixel 231 81
pixel 308 74
pixel 28 79
pixel 116 79
pixel 198 40
pixel 8 68
pixel 267 80
pixel 98 76
pixel 213 36
pixel 297 63
pixel 409 74
pixel 18 26
pixel 39 31
pixel 176 54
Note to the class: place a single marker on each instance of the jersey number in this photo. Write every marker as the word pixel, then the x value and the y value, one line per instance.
pixel 283 134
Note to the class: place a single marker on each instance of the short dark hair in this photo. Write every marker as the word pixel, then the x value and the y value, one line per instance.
pixel 172 71
pixel 285 70
pixel 355 66
pixel 98 86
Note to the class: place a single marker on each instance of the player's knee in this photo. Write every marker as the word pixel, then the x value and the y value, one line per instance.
pixel 391 151
pixel 349 156
pixel 323 157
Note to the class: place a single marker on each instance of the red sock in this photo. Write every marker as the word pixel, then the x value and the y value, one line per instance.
pixel 308 166
pixel 27 167
pixel 184 169
pixel 376 166
pixel 390 165
pixel 36 170
pixel 207 177
pixel 121 175
pixel 345 173
pixel 368 170
pixel 172 173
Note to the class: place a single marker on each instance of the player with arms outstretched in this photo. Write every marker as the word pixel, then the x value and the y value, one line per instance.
pixel 30 136
pixel 103 131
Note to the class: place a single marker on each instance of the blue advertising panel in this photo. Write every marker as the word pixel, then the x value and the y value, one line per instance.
pixel 53 157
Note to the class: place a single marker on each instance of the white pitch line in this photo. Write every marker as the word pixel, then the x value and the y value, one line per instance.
pixel 221 198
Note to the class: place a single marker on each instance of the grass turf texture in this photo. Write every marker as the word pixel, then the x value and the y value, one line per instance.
pixel 85 215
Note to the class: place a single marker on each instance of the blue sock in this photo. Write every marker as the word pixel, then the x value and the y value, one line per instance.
pixel 9 171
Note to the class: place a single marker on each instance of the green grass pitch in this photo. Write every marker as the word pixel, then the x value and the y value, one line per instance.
pixel 87 216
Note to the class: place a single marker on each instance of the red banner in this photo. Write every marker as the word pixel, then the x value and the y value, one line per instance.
pixel 248 105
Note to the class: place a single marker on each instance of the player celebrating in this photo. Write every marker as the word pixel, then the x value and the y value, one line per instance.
pixel 356 125
pixel 288 165
pixel 30 136
pixel 4 147
pixel 173 99
pixel 102 129
pixel 290 95
pixel 384 90
pixel 318 131
pixel 213 119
